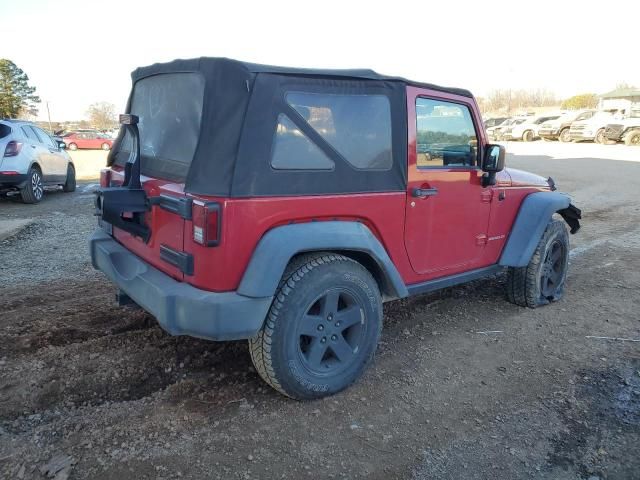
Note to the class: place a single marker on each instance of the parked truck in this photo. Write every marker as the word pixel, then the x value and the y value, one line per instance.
pixel 626 130
pixel 592 129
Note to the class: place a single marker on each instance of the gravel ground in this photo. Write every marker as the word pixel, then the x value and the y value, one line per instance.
pixel 92 390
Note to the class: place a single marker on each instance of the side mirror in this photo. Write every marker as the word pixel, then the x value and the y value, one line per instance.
pixel 62 145
pixel 492 163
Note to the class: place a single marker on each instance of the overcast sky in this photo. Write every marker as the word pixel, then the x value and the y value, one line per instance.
pixel 80 52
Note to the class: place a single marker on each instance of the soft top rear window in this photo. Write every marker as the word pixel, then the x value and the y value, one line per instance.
pixel 5 130
pixel 169 107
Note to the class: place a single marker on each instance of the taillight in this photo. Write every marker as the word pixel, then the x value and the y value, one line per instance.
pixel 105 177
pixel 206 223
pixel 13 148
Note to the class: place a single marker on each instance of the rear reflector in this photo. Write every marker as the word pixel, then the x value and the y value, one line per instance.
pixel 105 177
pixel 206 223
pixel 13 148
pixel 9 172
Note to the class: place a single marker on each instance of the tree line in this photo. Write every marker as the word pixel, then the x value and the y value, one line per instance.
pixel 18 99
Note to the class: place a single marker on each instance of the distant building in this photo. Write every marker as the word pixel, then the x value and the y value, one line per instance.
pixel 627 99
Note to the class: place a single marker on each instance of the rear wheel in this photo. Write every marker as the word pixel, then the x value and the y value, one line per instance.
pixel 70 183
pixel 632 138
pixel 528 136
pixel 564 136
pixel 322 329
pixel 33 190
pixel 105 146
pixel 73 146
pixel 542 280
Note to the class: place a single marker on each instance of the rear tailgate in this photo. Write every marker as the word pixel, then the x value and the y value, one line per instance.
pixel 165 221
pixel 156 147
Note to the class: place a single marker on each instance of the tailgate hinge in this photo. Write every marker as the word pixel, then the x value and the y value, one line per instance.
pixel 178 205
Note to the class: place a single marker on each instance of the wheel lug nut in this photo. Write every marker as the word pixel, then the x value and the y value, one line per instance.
pixel 337 324
pixel 330 317
pixel 320 327
pixel 334 337
pixel 323 339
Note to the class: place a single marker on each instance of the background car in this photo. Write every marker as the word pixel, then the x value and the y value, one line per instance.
pixel 626 130
pixel 593 128
pixel 526 131
pixel 32 160
pixel 558 129
pixel 497 132
pixel 87 139
pixel 492 123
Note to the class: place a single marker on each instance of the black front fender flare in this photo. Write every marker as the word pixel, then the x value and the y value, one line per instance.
pixel 533 217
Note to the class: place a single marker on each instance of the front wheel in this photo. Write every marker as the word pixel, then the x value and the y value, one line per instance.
pixel 564 136
pixel 322 329
pixel 73 146
pixel 105 146
pixel 542 280
pixel 632 138
pixel 528 136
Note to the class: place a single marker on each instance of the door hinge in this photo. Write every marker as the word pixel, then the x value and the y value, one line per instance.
pixel 487 195
pixel 481 239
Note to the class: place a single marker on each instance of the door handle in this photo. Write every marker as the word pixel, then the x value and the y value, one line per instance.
pixel 424 192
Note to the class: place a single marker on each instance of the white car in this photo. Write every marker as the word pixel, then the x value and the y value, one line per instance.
pixel 527 131
pixel 592 129
pixel 496 133
pixel 558 129
pixel 32 160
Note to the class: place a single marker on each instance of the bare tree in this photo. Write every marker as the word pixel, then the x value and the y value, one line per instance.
pixel 102 115
pixel 507 100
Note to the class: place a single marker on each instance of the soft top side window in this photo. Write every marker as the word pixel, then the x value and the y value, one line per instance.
pixel 446 135
pixel 357 127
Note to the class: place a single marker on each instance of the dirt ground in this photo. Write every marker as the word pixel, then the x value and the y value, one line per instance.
pixel 464 385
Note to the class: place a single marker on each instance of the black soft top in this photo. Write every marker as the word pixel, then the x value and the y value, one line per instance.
pixel 205 63
pixel 227 116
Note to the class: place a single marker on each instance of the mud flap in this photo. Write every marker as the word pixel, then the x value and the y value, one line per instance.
pixel 571 215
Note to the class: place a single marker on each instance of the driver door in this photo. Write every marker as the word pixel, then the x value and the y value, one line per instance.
pixel 447 211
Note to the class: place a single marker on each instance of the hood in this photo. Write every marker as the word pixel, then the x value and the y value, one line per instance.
pixel 520 178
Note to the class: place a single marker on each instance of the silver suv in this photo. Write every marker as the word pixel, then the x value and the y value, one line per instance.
pixel 30 160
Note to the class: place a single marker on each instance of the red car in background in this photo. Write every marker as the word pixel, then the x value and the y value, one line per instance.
pixel 87 139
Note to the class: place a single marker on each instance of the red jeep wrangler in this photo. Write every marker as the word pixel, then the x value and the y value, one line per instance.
pixel 284 206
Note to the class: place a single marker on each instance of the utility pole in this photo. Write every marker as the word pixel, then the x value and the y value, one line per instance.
pixel 49 116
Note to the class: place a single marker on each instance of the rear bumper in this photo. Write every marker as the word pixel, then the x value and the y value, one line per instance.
pixel 17 181
pixel 180 308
